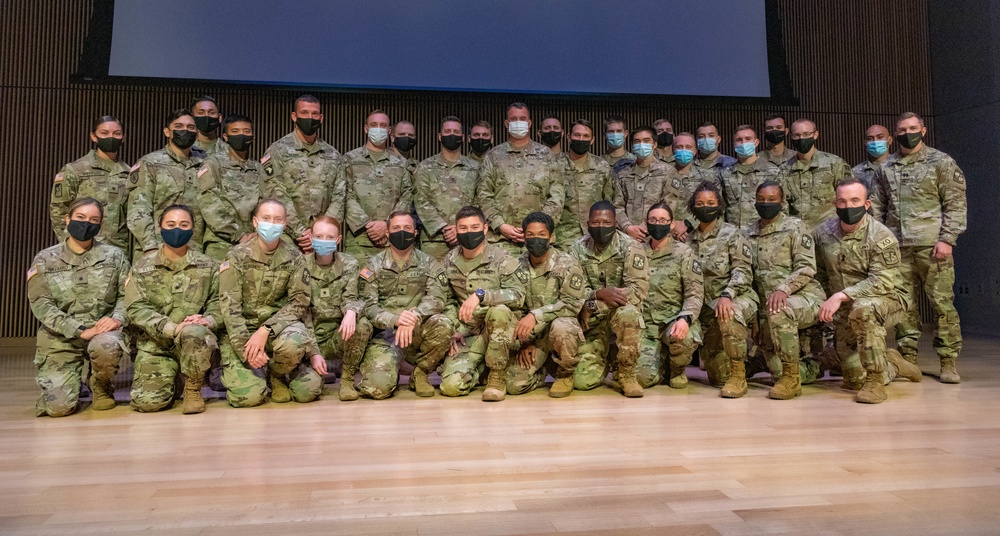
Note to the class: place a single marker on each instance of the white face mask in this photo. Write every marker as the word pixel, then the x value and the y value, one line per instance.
pixel 518 129
pixel 377 135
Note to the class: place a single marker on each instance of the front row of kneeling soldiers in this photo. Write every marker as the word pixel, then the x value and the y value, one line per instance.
pixel 608 304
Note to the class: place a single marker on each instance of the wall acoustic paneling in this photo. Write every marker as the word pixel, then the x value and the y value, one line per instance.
pixel 851 63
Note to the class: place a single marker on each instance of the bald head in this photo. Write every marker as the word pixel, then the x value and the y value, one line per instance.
pixel 876 132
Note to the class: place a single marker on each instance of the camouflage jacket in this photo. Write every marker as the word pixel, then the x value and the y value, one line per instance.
pixel 102 179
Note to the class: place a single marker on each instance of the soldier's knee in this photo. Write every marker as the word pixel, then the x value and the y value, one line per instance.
pixel 586 382
pixel 732 328
pixel 647 376
pixel 363 329
pixel 862 311
pixel 251 398
pixel 499 314
pixel 455 384
pixel 195 333
pixel 627 316
pixel 60 408
pixel 105 351
pixel 437 327
pixel 150 402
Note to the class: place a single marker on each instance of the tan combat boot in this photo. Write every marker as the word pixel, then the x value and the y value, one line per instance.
pixel 421 383
pixel 904 368
pixel 193 402
pixel 347 391
pixel 562 387
pixel 736 385
pixel 789 385
pixel 279 389
pixel 103 395
pixel 496 387
pixel 948 372
pixel 678 379
pixel 872 392
pixel 626 379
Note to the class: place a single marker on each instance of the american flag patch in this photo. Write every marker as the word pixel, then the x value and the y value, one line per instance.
pixel 223 267
pixel 265 158
pixel 32 272
pixel 59 177
pixel 366 273
pixel 202 171
pixel 135 167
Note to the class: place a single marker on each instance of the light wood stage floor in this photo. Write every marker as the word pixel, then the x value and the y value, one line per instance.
pixel 675 462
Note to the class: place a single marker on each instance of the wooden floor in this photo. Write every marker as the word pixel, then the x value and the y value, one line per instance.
pixel 675 462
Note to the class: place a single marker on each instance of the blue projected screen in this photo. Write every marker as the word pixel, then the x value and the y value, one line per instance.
pixel 652 47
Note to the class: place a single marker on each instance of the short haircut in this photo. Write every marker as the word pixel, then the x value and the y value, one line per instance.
pixel 644 128
pixel 582 122
pixel 708 124
pixel 602 205
pixel 706 186
pixel 849 181
pixel 909 115
pixel 772 117
pixel 661 205
pixel 660 121
pixel 268 201
pixel 746 127
pixel 330 220
pixel 376 111
pixel 539 217
pixel 177 114
pixel 451 118
pixel 552 117
pixel 470 212
pixel 398 213
pixel 685 133
pixel 517 105
pixel 772 184
pixel 304 98
pixel 84 201
pixel 104 119
pixel 611 119
pixel 235 118
pixel 812 124
pixel 203 98
pixel 403 122
pixel 484 123
pixel 185 208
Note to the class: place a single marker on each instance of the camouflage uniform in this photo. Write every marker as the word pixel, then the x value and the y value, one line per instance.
pixel 490 336
pixel 921 199
pixel 725 258
pixel 865 172
pixel 440 189
pixel 102 179
pixel 777 160
pixel 69 293
pixel 622 264
pixel 388 289
pixel 810 188
pixel 209 148
pixel 676 289
pixel 615 160
pixel 585 181
pixel 639 188
pixel 306 179
pixel 516 182
pixel 228 191
pixel 739 184
pixel 377 184
pixel 158 180
pixel 687 183
pixel 255 289
pixel 554 296
pixel 713 165
pixel 667 158
pixel 159 295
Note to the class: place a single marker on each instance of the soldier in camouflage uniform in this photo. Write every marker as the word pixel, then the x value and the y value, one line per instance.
pixel 811 177
pixel 263 294
pixel 487 288
pixel 776 134
pixel 335 317
pixel 377 185
pixel 709 158
pixel 643 183
pixel 730 303
pixel 405 291
pixel 302 171
pixel 173 298
pixel 878 141
pixel 676 291
pixel 859 267
pixel 554 296
pixel 207 118
pixel 689 177
pixel 616 135
pixel 480 140
pixel 664 141
pixel 739 181
pixel 586 180
pixel 617 274
pixel 518 177
pixel 404 139
pixel 229 188
pixel 163 178
pixel 920 195
pixel 101 175
pixel 75 292
pixel 443 184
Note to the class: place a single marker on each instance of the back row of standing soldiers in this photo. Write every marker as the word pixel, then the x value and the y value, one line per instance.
pixel 918 200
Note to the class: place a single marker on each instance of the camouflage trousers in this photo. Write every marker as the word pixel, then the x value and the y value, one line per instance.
pixel 626 324
pixel 380 366
pixel 247 387
pixel 435 248
pixel 937 279
pixel 333 346
pixel 561 340
pixel 860 329
pixel 725 341
pixel 658 350
pixel 60 366
pixel 489 345
pixel 158 362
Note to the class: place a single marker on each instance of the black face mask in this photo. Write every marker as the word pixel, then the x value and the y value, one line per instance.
pixel 239 142
pixel 451 141
pixel 404 143
pixel 767 211
pixel 803 145
pixel 665 139
pixel 402 240
pixel 83 231
pixel 536 246
pixel 176 237
pixel 851 215
pixel 183 139
pixel 707 214
pixel 110 144
pixel 308 125
pixel 602 235
pixel 580 147
pixel 551 139
pixel 207 123
pixel 909 140
pixel 658 231
pixel 471 240
pixel 774 137
pixel 480 145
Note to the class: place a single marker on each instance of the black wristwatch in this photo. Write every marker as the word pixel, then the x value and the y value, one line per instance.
pixel 270 329
pixel 591 304
pixel 726 294
pixel 481 294
pixel 686 318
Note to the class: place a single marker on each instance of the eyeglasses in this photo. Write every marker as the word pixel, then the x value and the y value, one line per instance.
pixel 803 135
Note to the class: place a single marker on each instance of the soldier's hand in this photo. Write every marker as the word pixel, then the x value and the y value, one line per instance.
pixel 247 237
pixel 404 336
pixel 408 318
pixel 514 234
pixel 258 359
pixel 348 324
pixel 254 348
pixel 831 306
pixel 318 364
pixel 776 301
pixel 105 325
pixel 378 231
pixel 88 334
pixel 524 327
pixel 304 239
pixel 724 309
pixel 468 307
pixel 584 320
pixel 679 230
pixel 457 343
pixel 526 357
pixel 614 297
pixel 942 250
pixel 679 330
pixel 450 235
pixel 637 232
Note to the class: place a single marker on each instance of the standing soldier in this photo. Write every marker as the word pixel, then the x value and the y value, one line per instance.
pixel 229 186
pixel 920 195
pixel 404 291
pixel 877 144
pixel 776 136
pixel 480 140
pixel 664 140
pixel 740 180
pixel 709 157
pixel 207 118
pixel 173 298
pixel 551 135
pixel 586 180
pixel 643 183
pixel 404 139
pixel 616 134
pixel 100 175
pixel 811 177
pixel 690 176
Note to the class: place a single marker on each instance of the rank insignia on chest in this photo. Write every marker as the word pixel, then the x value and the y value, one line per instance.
pixel 324 293
pixel 576 282
pixel 638 262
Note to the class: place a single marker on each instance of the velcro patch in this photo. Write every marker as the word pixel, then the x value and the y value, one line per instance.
pixel 807 241
pixel 224 266
pixel 746 251
pixel 59 177
pixel 269 170
pixel 638 262
pixel 576 282
pixel 958 177
pixel 891 257
pixel 32 272
pixel 202 171
pixel 57 190
pixel 135 167
pixel 265 158
pixel 366 274
pixel 696 267
pixel 442 279
pixel 522 275
pixel 886 242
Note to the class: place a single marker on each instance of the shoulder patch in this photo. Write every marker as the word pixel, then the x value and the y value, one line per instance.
pixel 696 267
pixel 305 276
pixel 442 279
pixel 366 274
pixel 59 177
pixel 576 282
pixel 202 171
pixel 746 251
pixel 522 275
pixel 224 266
pixel 265 158
pixel 135 167
pixel 958 177
pixel 806 241
pixel 891 256
pixel 32 272
pixel 638 262
pixel 269 170
pixel 886 242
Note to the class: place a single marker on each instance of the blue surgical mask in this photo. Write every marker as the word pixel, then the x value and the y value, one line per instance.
pixel 324 247
pixel 269 232
pixel 616 139
pixel 706 145
pixel 746 150
pixel 683 156
pixel 877 148
pixel 642 150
